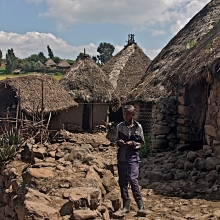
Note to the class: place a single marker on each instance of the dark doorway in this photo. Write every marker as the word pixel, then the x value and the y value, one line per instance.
pixel 86 114
pixel 115 116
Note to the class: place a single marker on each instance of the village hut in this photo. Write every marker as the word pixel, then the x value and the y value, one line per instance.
pixel 125 70
pixel 92 90
pixel 151 88
pixel 63 65
pixel 50 64
pixel 34 95
pixel 195 81
pixel 17 71
pixel 40 65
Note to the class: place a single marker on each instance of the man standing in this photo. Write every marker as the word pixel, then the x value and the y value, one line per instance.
pixel 129 138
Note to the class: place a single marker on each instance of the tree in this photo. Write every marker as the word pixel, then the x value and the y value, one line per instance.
pixel 11 61
pixel 33 57
pixel 50 52
pixel 56 59
pixel 42 58
pixel 0 57
pixel 105 50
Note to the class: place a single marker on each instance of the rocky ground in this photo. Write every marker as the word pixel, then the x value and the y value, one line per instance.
pixel 76 178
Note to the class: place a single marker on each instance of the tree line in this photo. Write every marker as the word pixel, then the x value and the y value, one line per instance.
pixel 31 63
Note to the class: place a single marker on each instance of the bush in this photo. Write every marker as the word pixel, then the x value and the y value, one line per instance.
pixel 145 150
pixel 10 143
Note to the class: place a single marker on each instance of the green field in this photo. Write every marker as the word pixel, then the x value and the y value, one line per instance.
pixel 3 75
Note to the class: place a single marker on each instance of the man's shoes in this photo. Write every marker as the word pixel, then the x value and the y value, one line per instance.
pixel 141 212
pixel 126 206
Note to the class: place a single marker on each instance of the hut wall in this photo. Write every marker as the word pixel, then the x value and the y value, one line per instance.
pixel 100 114
pixel 72 119
pixel 163 132
pixel 212 123
pixel 191 115
pixel 144 114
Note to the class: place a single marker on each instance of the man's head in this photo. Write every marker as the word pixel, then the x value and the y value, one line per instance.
pixel 128 113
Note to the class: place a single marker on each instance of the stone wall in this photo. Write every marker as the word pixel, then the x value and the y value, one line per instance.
pixel 164 126
pixel 212 123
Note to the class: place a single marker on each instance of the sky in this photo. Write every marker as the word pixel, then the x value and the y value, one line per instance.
pixel 69 26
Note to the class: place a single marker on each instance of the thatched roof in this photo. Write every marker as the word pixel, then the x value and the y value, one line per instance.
pixel 201 62
pixel 126 68
pixel 41 65
pixel 151 87
pixel 50 62
pixel 85 80
pixel 63 64
pixel 29 90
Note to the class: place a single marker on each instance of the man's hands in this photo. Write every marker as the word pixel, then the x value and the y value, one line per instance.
pixel 122 143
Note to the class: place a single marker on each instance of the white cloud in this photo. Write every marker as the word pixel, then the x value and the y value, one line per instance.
pixel 33 42
pixel 158 33
pixel 137 14
pixel 152 53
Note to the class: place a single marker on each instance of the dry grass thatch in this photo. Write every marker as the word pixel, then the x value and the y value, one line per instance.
pixel 29 90
pixel 41 65
pixel 201 62
pixel 151 86
pixel 126 68
pixel 63 64
pixel 50 62
pixel 85 80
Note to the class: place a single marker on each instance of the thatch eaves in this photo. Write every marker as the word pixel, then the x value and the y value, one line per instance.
pixel 151 87
pixel 201 62
pixel 63 64
pixel 29 91
pixel 86 80
pixel 50 62
pixel 126 68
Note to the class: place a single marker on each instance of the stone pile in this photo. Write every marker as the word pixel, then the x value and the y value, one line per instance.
pixel 62 181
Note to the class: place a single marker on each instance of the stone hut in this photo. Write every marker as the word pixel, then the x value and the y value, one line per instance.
pixel 25 94
pixel 126 69
pixel 152 90
pixel 91 88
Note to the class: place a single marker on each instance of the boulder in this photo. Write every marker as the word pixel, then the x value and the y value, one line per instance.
pixel 212 162
pixel 159 144
pixel 210 130
pixel 160 129
pixel 200 164
pixel 184 110
pixel 84 214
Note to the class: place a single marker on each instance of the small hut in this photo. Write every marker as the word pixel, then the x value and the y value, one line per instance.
pixel 33 95
pixel 63 65
pixel 40 65
pixel 50 64
pixel 125 70
pixel 92 90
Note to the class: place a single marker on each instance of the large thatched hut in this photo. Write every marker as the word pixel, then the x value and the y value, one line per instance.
pixel 197 78
pixel 92 90
pixel 125 70
pixel 32 94
pixel 151 87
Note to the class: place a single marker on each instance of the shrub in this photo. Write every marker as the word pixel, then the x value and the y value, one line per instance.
pixel 145 150
pixel 10 143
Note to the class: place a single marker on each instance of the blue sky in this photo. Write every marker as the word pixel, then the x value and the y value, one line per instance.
pixel 69 26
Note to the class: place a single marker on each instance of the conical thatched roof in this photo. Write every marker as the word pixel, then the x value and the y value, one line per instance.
pixel 126 68
pixel 201 62
pixel 85 80
pixel 63 64
pixel 151 87
pixel 29 90
pixel 50 62
pixel 41 65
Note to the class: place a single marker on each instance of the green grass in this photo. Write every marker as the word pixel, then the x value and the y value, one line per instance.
pixel 145 150
pixel 4 75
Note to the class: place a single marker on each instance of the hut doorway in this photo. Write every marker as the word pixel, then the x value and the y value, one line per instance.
pixel 86 117
pixel 115 116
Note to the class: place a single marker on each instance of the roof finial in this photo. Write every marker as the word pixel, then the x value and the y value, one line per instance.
pixel 84 50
